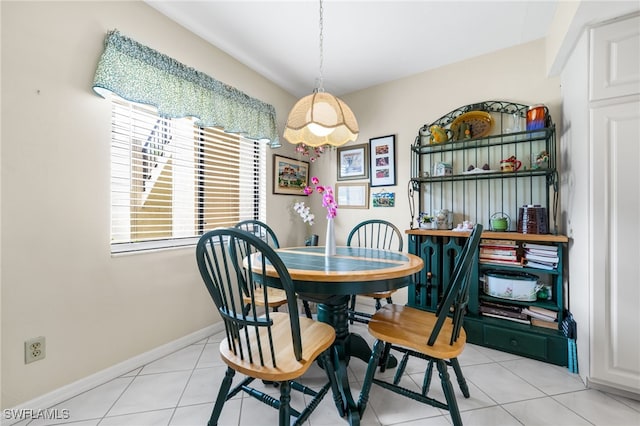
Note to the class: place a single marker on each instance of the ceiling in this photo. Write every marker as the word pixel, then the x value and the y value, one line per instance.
pixel 365 42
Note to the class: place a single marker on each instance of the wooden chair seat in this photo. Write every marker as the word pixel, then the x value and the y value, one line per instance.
pixel 276 347
pixel 410 328
pixel 380 294
pixel 437 337
pixel 275 296
pixel 316 338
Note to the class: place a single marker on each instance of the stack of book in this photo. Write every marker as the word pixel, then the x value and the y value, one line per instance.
pixel 540 256
pixel 499 252
pixel 542 317
pixel 504 311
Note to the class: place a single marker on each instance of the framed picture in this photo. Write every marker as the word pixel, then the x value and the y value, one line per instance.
pixel 352 195
pixel 383 160
pixel 384 199
pixel 353 162
pixel 290 176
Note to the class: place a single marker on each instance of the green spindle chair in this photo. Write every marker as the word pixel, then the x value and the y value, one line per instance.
pixel 271 346
pixel 437 337
pixel 261 230
pixel 380 234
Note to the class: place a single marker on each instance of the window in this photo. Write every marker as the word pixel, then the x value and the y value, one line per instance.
pixel 171 180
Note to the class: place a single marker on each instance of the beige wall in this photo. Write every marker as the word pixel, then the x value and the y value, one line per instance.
pixel 401 107
pixel 58 277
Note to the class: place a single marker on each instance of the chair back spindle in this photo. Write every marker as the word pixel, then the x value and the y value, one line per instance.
pixel 240 271
pixel 376 233
pixel 432 336
pixel 260 230
pixel 220 256
pixel 456 295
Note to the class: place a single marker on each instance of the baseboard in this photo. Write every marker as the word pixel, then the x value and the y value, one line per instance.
pixel 613 389
pixel 62 394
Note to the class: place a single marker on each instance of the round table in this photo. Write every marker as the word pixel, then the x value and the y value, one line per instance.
pixel 331 280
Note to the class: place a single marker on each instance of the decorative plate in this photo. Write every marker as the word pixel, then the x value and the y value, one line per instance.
pixel 480 122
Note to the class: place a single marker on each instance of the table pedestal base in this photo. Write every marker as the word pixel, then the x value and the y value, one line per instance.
pixel 334 311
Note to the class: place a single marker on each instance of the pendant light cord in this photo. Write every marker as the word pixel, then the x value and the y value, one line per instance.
pixel 321 79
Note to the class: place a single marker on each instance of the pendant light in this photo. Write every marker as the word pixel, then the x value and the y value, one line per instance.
pixel 321 118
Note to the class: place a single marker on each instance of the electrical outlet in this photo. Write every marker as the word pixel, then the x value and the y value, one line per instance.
pixel 34 349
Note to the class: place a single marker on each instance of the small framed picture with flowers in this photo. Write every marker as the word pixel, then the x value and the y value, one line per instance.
pixel 353 162
pixel 290 176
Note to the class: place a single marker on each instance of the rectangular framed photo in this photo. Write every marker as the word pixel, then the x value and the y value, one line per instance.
pixel 384 199
pixel 353 162
pixel 383 160
pixel 290 176
pixel 352 195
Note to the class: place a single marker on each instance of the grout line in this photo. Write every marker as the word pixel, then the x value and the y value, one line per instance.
pixel 186 385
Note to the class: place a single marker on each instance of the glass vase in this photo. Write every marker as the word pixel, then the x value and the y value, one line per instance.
pixel 330 243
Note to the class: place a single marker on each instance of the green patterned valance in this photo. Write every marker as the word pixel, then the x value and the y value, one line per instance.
pixel 140 74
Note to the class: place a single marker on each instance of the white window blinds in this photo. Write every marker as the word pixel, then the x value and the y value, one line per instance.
pixel 171 180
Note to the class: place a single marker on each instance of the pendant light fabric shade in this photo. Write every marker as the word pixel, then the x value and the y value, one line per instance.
pixel 321 119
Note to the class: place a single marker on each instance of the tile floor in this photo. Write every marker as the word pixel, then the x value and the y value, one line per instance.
pixel 179 390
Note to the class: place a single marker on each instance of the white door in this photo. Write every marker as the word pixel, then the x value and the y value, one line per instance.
pixel 615 183
pixel 615 345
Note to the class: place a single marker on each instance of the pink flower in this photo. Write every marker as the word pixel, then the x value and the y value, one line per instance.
pixel 312 152
pixel 328 199
pixel 329 202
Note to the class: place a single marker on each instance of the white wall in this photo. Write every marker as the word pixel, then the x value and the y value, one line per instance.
pixel 574 184
pixel 58 277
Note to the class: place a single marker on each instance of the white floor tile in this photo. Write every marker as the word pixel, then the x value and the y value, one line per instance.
pixel 473 355
pixel 633 403
pixel 203 386
pixel 490 416
pixel 210 356
pixel 132 373
pixel 496 355
pixel 150 418
pixel 255 412
pixel 326 414
pixel 216 338
pixel 499 383
pixel 599 408
pixel 550 379
pixel 431 421
pixel 192 415
pixel 393 408
pixel 477 398
pixel 151 392
pixel 92 404
pixel 198 415
pixel 180 390
pixel 544 411
pixel 93 422
pixel 184 359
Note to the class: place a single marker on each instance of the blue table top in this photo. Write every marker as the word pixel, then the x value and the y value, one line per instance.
pixel 352 270
pixel 346 259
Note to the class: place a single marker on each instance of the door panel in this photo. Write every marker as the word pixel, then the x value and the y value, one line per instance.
pixel 616 244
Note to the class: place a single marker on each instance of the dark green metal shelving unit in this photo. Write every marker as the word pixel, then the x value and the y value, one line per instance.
pixel 475 197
